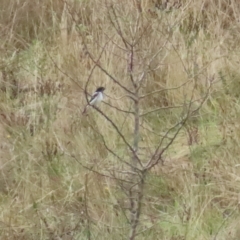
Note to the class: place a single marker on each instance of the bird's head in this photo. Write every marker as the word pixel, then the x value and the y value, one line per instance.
pixel 100 89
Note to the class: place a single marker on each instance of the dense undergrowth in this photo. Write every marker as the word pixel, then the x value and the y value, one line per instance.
pixel 56 173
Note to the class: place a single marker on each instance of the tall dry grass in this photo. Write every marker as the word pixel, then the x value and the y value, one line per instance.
pixel 55 169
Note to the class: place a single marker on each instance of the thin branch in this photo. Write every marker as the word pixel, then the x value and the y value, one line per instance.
pixel 94 171
pixel 177 106
pixel 86 207
pixel 112 152
pixel 152 131
pixel 107 73
pixel 153 161
pixel 165 89
pixel 92 70
pixel 116 44
pixel 141 35
pixel 118 28
pixel 86 167
pixel 161 108
pixel 64 73
pixel 119 132
pixel 131 66
pixel 120 110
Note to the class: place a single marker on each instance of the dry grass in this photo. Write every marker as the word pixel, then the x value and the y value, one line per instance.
pixel 55 169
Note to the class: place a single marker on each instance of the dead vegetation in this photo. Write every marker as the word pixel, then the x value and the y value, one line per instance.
pixel 58 179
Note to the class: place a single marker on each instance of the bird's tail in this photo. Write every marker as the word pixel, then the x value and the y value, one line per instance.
pixel 85 109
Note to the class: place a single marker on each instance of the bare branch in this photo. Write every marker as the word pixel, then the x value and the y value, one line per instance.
pixel 64 73
pixel 92 70
pixel 161 108
pixel 119 133
pixel 86 207
pixel 113 153
pixel 165 89
pixel 120 110
pixel 118 28
pixel 107 73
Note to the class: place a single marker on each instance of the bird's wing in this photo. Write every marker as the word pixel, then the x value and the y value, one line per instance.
pixel 93 98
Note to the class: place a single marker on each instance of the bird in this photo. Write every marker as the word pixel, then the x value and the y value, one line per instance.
pixel 96 98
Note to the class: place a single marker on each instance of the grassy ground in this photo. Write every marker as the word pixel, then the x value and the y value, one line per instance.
pixel 54 179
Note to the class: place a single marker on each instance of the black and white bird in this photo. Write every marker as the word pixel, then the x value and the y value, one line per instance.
pixel 96 98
